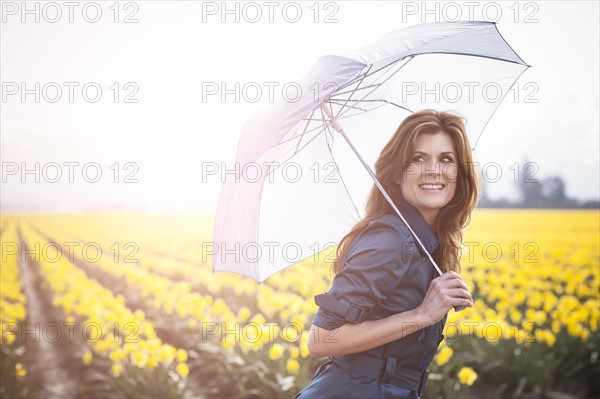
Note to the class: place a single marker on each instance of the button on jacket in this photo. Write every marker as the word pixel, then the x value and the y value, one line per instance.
pixel 384 272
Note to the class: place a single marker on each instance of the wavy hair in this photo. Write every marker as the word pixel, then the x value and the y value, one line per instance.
pixel 392 164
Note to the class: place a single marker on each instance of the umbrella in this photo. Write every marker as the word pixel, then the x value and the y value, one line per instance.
pixel 299 181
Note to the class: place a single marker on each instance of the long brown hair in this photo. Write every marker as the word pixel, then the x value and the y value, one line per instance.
pixel 392 163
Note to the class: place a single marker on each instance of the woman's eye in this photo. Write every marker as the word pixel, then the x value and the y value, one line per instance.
pixel 421 159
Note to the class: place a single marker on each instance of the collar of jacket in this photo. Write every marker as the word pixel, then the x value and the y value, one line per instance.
pixel 418 224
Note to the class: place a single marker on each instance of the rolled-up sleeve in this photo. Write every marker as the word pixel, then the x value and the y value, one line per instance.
pixel 375 264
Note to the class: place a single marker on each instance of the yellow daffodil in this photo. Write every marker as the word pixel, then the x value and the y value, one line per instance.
pixel 443 356
pixel 292 366
pixel 116 369
pixel 87 358
pixel 182 369
pixel 20 370
pixel 181 355
pixel 276 351
pixel 467 376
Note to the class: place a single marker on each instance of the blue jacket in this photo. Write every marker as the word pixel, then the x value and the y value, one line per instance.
pixel 384 272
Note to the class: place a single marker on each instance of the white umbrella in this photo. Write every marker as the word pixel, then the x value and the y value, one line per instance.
pixel 298 189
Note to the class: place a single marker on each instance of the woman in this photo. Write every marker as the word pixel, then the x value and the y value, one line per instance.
pixel 382 320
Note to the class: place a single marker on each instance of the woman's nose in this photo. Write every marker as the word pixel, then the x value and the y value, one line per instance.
pixel 432 168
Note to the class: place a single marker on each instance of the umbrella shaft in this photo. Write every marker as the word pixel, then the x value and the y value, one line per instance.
pixel 389 200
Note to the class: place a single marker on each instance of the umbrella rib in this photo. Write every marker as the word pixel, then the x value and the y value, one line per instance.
pixel 358 88
pixel 372 73
pixel 379 100
pixel 335 101
pixel 495 109
pixel 379 85
pixel 389 67
pixel 476 55
pixel 352 93
pixel 301 136
pixel 508 44
pixel 441 40
pixel 352 115
pixel 294 153
pixel 342 179
pixel 327 126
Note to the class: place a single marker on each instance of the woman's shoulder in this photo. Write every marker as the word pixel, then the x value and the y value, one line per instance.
pixel 387 231
pixel 380 246
pixel 392 223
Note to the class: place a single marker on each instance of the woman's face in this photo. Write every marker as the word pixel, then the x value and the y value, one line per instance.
pixel 429 182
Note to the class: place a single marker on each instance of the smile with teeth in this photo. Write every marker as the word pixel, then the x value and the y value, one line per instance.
pixel 431 187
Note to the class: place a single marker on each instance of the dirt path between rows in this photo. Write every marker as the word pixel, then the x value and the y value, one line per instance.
pixel 46 355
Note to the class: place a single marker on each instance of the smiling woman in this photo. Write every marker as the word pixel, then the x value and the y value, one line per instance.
pixel 426 186
pixel 382 320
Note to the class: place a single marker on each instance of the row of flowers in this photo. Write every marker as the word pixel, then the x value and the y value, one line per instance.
pixel 13 316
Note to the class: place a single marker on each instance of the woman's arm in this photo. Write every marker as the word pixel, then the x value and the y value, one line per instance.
pixel 444 292
pixel 369 334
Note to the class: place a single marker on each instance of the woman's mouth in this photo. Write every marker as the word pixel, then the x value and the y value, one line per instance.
pixel 432 187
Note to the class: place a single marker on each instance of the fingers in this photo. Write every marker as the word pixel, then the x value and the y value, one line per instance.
pixel 450 275
pixel 452 279
pixel 450 297
pixel 460 293
pixel 458 303
pixel 456 284
pixel 461 302
pixel 450 287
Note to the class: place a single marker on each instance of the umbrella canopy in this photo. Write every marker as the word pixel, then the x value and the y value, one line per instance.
pixel 296 188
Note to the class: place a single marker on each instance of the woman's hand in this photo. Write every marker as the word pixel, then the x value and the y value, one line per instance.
pixel 445 292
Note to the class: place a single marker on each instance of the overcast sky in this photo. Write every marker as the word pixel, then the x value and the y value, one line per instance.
pixel 154 121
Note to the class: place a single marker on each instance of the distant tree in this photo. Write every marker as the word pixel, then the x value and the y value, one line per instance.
pixel 553 191
pixel 530 188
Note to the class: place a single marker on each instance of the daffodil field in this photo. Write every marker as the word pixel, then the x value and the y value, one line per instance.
pixel 113 305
